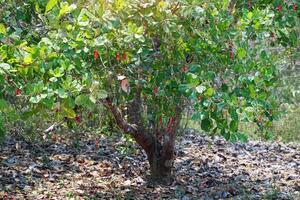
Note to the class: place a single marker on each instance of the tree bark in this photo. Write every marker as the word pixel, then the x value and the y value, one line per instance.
pixel 160 154
pixel 161 157
pixel 159 167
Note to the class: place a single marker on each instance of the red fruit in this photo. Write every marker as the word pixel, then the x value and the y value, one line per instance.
pixel 231 55
pixel 161 121
pixel 155 91
pixel 294 7
pixel 18 92
pixel 96 55
pixel 185 68
pixel 118 57
pixel 54 137
pixel 273 35
pixel 270 112
pixel 78 118
pixel 90 115
pixel 124 56
pixel 57 110
pixel 279 8
pixel 260 119
pixel 249 4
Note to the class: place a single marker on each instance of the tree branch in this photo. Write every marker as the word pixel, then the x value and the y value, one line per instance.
pixel 169 140
pixel 174 10
pixel 120 121
pixel 137 131
pixel 135 109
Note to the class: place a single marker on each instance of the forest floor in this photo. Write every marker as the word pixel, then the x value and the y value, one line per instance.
pixel 205 168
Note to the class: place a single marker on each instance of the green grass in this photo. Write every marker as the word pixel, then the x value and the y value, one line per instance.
pixel 285 129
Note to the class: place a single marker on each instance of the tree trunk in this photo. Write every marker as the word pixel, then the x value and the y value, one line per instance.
pixel 160 168
pixel 159 150
pixel 161 156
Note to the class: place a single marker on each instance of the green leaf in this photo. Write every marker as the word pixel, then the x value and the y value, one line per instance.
pixel 252 91
pixel 84 100
pixel 38 98
pixel 2 29
pixel 263 55
pixel 28 60
pixel 62 93
pixel 2 128
pixel 257 25
pixel 102 94
pixel 4 66
pixel 3 105
pixel 79 100
pixel 233 137
pixel 241 53
pixel 200 89
pixel 234 125
pixel 35 99
pixel 92 99
pixel 70 113
pixel 250 15
pixel 50 5
pixel 53 79
pixel 198 116
pixel 58 72
pixel 38 87
pixel 27 114
pixel 206 124
pixel 233 114
pixel 225 134
pixel 192 79
pixel 183 88
pixel 242 137
pixel 64 9
pixel 209 92
pixel 262 96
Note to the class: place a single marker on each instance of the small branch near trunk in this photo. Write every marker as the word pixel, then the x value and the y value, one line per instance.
pixel 169 140
pixel 135 109
pixel 137 131
pixel 121 122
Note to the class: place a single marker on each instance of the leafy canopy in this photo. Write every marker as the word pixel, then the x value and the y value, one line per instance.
pixel 217 56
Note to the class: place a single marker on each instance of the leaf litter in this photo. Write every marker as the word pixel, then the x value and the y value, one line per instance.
pixel 205 168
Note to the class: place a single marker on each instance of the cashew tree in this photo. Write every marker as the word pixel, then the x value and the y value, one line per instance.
pixel 147 62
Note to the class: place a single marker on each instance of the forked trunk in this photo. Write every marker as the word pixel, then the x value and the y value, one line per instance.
pixel 158 144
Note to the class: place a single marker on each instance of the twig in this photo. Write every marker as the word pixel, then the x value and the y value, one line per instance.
pixel 52 127
pixel 174 10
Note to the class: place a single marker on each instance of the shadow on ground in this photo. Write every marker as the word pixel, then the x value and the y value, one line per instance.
pixel 205 168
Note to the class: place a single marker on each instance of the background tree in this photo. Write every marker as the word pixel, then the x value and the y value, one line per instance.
pixel 146 62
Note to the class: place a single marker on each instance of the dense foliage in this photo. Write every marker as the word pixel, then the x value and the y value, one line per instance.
pixel 145 61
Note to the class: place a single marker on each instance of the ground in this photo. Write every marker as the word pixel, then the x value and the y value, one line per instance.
pixel 205 168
